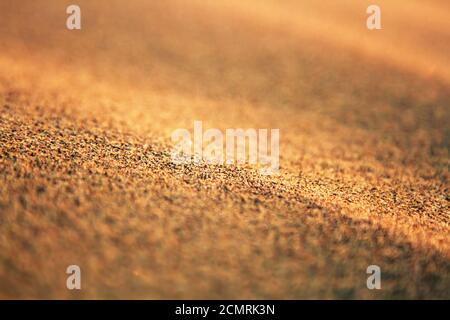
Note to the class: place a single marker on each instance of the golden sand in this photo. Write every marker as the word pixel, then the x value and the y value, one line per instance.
pixel 85 170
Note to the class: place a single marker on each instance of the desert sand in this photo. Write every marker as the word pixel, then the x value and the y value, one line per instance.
pixel 86 176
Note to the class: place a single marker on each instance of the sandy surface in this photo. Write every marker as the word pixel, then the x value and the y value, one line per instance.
pixel 86 176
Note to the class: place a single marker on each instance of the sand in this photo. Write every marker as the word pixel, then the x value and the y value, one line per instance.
pixel 86 176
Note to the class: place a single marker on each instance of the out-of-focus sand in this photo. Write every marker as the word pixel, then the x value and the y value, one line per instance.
pixel 85 170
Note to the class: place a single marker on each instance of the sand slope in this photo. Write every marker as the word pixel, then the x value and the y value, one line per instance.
pixel 85 170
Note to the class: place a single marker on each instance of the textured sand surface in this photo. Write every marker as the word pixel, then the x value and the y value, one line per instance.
pixel 85 170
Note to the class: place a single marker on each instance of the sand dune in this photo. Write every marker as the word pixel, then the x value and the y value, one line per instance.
pixel 86 175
